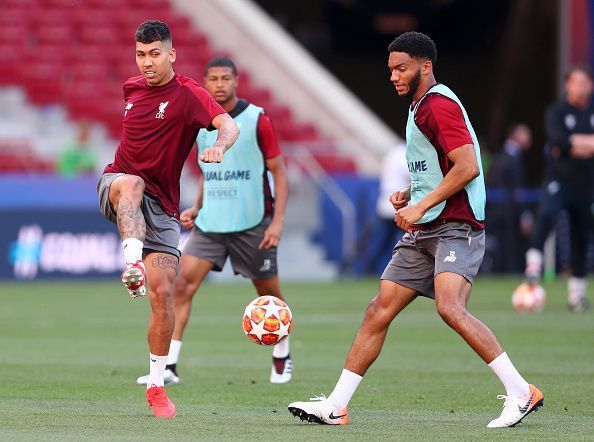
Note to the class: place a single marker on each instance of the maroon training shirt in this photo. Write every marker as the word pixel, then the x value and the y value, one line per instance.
pixel 270 149
pixel 441 120
pixel 159 128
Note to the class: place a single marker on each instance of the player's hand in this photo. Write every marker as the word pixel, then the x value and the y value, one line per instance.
pixel 407 216
pixel 400 199
pixel 272 235
pixel 213 154
pixel 188 217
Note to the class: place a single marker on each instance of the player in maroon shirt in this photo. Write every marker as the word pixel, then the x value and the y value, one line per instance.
pixel 249 249
pixel 140 190
pixel 441 252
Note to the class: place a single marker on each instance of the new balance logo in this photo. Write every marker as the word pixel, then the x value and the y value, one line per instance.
pixel 451 258
pixel 161 113
pixel 266 266
pixel 127 108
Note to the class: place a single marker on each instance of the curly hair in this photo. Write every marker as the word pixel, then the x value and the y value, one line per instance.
pixel 151 31
pixel 415 44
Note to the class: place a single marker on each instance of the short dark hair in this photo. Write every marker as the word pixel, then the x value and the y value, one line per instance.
pixel 151 31
pixel 221 62
pixel 415 44
pixel 579 68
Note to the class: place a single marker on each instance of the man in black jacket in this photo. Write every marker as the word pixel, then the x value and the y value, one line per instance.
pixel 569 181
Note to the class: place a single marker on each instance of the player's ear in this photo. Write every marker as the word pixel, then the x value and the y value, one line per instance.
pixel 426 67
pixel 172 55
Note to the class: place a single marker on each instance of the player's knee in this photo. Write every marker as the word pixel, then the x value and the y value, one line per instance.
pixel 451 312
pixel 131 186
pixel 184 288
pixel 161 298
pixel 377 313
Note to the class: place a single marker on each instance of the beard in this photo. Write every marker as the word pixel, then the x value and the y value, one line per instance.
pixel 414 85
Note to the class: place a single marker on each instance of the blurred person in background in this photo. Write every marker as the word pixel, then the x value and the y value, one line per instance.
pixel 77 158
pixel 442 211
pixel 139 191
pixel 380 233
pixel 507 219
pixel 394 175
pixel 568 183
pixel 243 223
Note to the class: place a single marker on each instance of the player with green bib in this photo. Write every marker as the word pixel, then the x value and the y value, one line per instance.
pixel 443 212
pixel 235 215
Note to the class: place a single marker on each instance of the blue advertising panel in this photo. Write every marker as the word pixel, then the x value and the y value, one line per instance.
pixel 58 243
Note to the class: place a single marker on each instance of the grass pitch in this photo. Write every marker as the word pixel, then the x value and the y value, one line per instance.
pixel 71 353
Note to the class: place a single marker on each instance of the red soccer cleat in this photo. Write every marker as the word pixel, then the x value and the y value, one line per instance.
pixel 159 401
pixel 133 279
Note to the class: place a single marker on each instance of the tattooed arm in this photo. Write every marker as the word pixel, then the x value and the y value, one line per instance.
pixel 228 133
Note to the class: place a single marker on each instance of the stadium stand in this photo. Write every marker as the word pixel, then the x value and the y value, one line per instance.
pixel 77 54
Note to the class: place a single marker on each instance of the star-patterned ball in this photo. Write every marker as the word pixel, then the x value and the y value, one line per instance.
pixel 267 320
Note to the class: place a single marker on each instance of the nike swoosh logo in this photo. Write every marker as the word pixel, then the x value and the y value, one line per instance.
pixel 525 407
pixel 336 417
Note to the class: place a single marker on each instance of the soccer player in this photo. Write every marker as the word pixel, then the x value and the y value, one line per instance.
pixel 235 215
pixel 140 190
pixel 569 182
pixel 443 212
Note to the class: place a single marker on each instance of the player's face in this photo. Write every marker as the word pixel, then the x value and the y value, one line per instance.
pixel 579 87
pixel 221 83
pixel 405 73
pixel 154 60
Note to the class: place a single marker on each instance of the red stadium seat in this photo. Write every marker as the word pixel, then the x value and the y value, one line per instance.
pixel 97 18
pixel 10 70
pixel 115 4
pixel 8 4
pixel 55 35
pixel 15 34
pixel 57 17
pixel 59 3
pixel 41 82
pixel 89 72
pixel 99 35
pixel 44 53
pixel 15 16
pixel 150 4
pixel 95 53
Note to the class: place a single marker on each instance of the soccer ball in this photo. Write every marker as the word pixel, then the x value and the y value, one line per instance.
pixel 267 320
pixel 529 298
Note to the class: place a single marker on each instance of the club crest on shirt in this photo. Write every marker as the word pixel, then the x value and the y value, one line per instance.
pixel 161 113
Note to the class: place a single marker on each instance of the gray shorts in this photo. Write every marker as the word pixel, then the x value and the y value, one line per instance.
pixel 419 256
pixel 162 230
pixel 242 247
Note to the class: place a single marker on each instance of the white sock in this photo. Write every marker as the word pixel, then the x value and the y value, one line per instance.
pixel 174 349
pixel 281 350
pixel 514 383
pixel 534 261
pixel 576 287
pixel 132 250
pixel 345 389
pixel 156 371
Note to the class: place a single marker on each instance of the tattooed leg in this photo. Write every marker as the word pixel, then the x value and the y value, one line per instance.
pixel 125 195
pixel 130 220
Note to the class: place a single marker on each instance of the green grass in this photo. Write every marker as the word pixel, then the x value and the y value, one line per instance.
pixel 71 352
